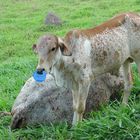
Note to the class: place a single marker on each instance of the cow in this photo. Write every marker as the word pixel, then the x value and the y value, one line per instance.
pixel 84 54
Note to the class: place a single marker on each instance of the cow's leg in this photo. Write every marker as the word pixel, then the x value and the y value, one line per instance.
pixel 79 102
pixel 127 82
pixel 75 98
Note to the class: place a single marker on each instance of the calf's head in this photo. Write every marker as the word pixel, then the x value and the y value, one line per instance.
pixel 50 49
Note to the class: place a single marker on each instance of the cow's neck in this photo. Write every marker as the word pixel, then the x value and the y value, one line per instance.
pixel 61 72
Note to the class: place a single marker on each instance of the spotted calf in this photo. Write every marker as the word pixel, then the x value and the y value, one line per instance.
pixel 85 54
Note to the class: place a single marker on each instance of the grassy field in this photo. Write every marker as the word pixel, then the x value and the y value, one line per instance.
pixel 21 23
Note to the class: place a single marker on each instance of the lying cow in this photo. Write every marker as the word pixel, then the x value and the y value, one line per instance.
pixel 86 54
pixel 46 103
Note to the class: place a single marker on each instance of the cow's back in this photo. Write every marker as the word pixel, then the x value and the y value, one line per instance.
pixel 99 53
pixel 103 48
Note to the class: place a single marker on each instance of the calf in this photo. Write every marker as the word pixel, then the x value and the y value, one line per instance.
pixel 85 54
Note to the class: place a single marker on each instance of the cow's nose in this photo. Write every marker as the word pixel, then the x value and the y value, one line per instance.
pixel 40 70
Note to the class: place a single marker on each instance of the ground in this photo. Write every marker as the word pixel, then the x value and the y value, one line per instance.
pixel 21 23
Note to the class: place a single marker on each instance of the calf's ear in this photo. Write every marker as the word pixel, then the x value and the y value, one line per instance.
pixel 34 47
pixel 64 49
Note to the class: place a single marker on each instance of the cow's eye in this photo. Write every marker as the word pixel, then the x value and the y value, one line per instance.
pixel 52 49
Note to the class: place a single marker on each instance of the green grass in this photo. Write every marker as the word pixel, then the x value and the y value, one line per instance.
pixel 21 23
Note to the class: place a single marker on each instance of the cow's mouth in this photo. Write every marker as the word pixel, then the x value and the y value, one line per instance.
pixel 40 71
pixel 18 121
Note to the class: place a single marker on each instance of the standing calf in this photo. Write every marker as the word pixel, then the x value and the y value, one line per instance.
pixel 85 54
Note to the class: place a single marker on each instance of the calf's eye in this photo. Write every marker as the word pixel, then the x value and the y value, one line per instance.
pixel 52 49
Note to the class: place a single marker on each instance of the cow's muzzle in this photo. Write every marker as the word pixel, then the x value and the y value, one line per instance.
pixel 40 70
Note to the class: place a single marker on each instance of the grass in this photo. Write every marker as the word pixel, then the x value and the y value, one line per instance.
pixel 21 23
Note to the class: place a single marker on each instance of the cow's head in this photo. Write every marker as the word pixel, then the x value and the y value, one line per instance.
pixel 49 48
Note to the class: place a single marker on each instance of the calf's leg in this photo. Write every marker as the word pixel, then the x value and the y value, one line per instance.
pixel 79 102
pixel 127 82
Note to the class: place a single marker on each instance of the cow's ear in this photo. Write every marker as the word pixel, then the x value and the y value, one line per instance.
pixel 34 47
pixel 64 49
